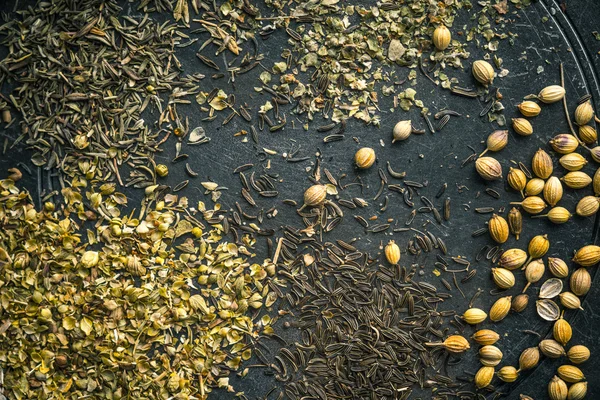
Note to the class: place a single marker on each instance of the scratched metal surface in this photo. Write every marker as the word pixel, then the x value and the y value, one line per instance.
pixel 434 158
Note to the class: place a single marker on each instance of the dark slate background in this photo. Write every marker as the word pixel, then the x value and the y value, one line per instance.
pixel 564 37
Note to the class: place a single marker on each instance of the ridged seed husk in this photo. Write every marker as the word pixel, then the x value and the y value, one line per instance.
pixel 564 143
pixel 587 206
pixel 570 300
pixel 515 222
pixel 512 259
pixel 538 246
pixel 551 94
pixel 315 195
pixel 550 288
pixel 474 316
pixel 587 255
pixel 553 191
pixel 596 182
pixel 534 272
pixel 551 348
pixel 484 377
pixel 532 204
pixel 576 179
pixel 508 374
pixel 562 331
pixel 520 302
pixel 584 113
pixel 516 179
pixel 580 282
pixel 401 131
pixel 557 389
pixel 559 215
pixel 587 134
pixel 500 309
pixel 573 161
pixel 490 355
pixel 534 187
pixel 529 108
pixel 595 153
pixel 541 164
pixel 503 278
pixel 529 358
pixel 488 168
pixel 570 373
pixel 497 140
pixel 547 309
pixel 364 157
pixel 577 391
pixel 522 126
pixel 483 72
pixel 498 228
pixel 441 37
pixel 392 253
pixel 578 354
pixel 456 344
pixel 485 337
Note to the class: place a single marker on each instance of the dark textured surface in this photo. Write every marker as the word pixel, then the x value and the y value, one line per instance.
pixel 434 158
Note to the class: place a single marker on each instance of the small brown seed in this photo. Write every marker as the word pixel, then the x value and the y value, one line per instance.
pixel 488 168
pixel 551 94
pixel 364 157
pixel 522 126
pixel 485 337
pixel 578 354
pixel 558 267
pixel 551 348
pixel 596 182
pixel 508 373
pixel 520 302
pixel 498 228
pixel 577 391
pixel 500 309
pixel 587 255
pixel 580 282
pixel 573 161
pixel 562 331
pixel 570 373
pixel 587 206
pixel 557 389
pixel 541 164
pixel 503 278
pixel 484 377
pixel 515 222
pixel 529 108
pixel 570 300
pixel 529 358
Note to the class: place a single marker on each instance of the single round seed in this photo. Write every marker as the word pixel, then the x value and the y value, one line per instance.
pixel 364 157
pixel 578 354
